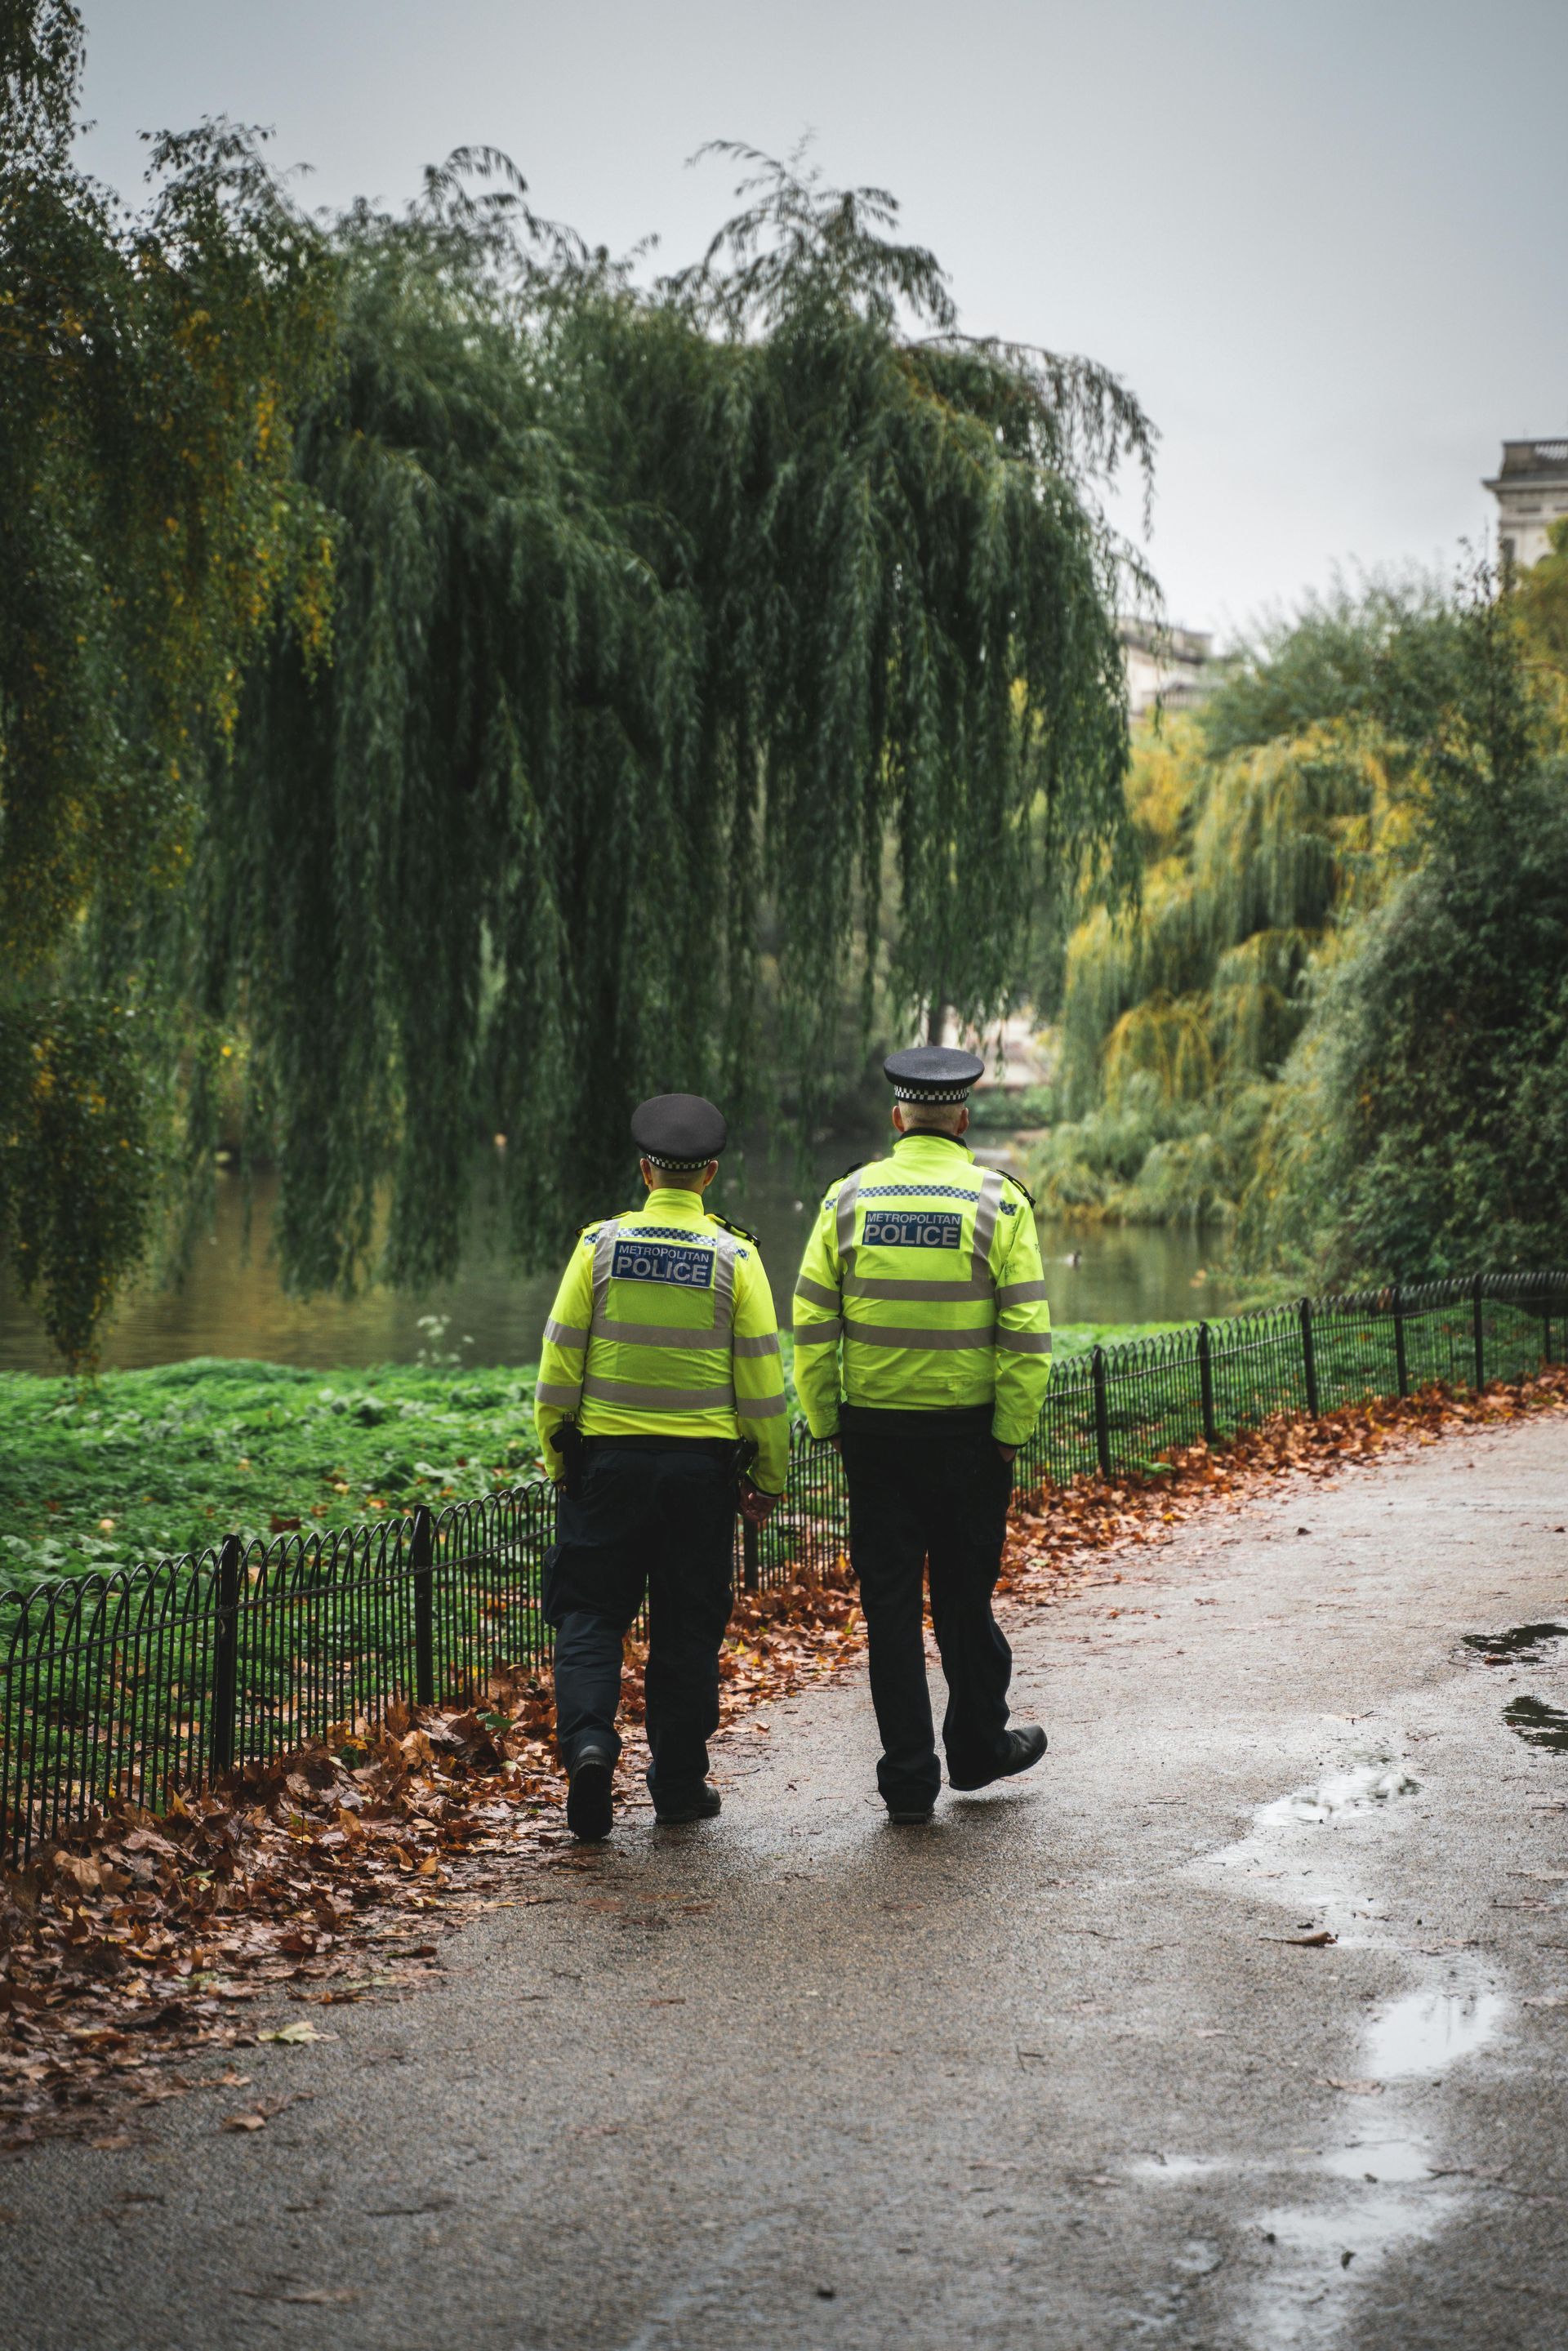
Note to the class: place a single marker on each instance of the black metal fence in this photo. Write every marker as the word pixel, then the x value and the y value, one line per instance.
pixel 166 1675
pixel 1121 1410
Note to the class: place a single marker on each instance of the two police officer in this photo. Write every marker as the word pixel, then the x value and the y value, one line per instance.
pixel 922 1350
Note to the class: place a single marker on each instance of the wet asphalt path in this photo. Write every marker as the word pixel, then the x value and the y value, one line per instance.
pixel 1044 2076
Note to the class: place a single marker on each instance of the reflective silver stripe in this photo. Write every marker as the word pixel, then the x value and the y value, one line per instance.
pixel 765 1343
pixel 817 1293
pixel 564 1398
pixel 658 1335
pixel 817 1335
pixel 986 1209
pixel 761 1407
pixel 564 1334
pixel 939 1294
pixel 1025 1343
pixel 845 1218
pixel 722 1284
pixel 604 1258
pixel 1020 1293
pixel 651 1399
pixel 894 1334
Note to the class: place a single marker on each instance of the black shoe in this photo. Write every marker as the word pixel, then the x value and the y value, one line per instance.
pixel 675 1811
pixel 910 1816
pixel 590 1802
pixel 1023 1748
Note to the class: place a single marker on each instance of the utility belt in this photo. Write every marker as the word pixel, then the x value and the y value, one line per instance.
pixel 957 1420
pixel 717 1448
pixel 734 1453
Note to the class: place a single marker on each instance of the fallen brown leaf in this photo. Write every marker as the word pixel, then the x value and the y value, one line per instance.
pixel 163 1927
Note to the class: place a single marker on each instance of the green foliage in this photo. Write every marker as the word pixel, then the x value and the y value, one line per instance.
pixel 1378 657
pixel 140 1464
pixel 149 366
pixel 1422 1126
pixel 1540 600
pixel 996 1112
pixel 1174 1017
pixel 1270 825
pixel 609 628
pixel 76 1168
pixel 1146 1158
pixel 664 614
pixel 1247 859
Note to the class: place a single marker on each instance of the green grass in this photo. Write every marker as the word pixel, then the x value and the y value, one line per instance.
pixel 142 1464
pixel 1077 1338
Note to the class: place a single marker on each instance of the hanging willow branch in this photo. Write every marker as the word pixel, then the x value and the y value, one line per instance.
pixel 658 609
pixel 150 363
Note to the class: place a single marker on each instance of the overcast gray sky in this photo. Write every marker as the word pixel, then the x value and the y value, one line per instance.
pixel 1324 243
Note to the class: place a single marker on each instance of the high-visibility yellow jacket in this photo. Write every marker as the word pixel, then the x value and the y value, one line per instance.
pixel 664 1326
pixel 921 1291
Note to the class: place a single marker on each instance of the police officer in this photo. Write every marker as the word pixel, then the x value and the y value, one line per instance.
pixel 660 1389
pixel 922 1348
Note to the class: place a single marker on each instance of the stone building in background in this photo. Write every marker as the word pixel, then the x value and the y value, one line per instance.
pixel 1166 665
pixel 1531 487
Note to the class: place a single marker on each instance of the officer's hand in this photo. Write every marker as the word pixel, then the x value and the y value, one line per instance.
pixel 1007 1451
pixel 756 1507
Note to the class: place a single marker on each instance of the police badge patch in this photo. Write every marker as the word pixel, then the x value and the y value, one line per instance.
pixel 910 1228
pixel 639 1261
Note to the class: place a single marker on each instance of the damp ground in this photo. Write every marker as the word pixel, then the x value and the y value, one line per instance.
pixel 1237 2026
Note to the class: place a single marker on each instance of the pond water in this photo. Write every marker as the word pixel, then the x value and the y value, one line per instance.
pixel 232 1302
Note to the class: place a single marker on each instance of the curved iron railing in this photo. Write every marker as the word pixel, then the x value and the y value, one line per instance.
pixel 164 1675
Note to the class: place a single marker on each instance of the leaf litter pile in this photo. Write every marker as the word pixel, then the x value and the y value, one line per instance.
pixel 138 1949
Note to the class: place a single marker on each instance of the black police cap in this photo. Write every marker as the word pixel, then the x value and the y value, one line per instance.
pixel 931 1073
pixel 678 1131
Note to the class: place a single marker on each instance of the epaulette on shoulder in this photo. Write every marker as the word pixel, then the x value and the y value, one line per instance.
pixel 738 1230
pixel 1007 1177
pixel 849 1170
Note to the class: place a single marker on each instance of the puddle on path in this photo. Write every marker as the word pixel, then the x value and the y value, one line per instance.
pixel 1428 2031
pixel 1355 2201
pixel 1521 1645
pixel 1378 2162
pixel 1378 2195
pixel 1359 1785
pixel 1533 1720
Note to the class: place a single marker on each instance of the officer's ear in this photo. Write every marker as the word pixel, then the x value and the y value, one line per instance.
pixel 709 1172
pixel 650 1173
pixel 963 1125
pixel 898 1119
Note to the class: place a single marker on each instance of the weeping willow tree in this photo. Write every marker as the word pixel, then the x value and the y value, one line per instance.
pixel 1267 826
pixel 757 591
pixel 149 364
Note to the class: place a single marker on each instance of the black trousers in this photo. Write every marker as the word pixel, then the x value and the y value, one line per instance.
pixel 926 1487
pixel 663 1522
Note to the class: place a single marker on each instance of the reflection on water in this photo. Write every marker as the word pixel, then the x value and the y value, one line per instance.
pixel 232 1304
pixel 1428 2031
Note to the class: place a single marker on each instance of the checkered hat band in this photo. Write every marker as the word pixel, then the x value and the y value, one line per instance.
pixel 904 1092
pixel 679 1166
